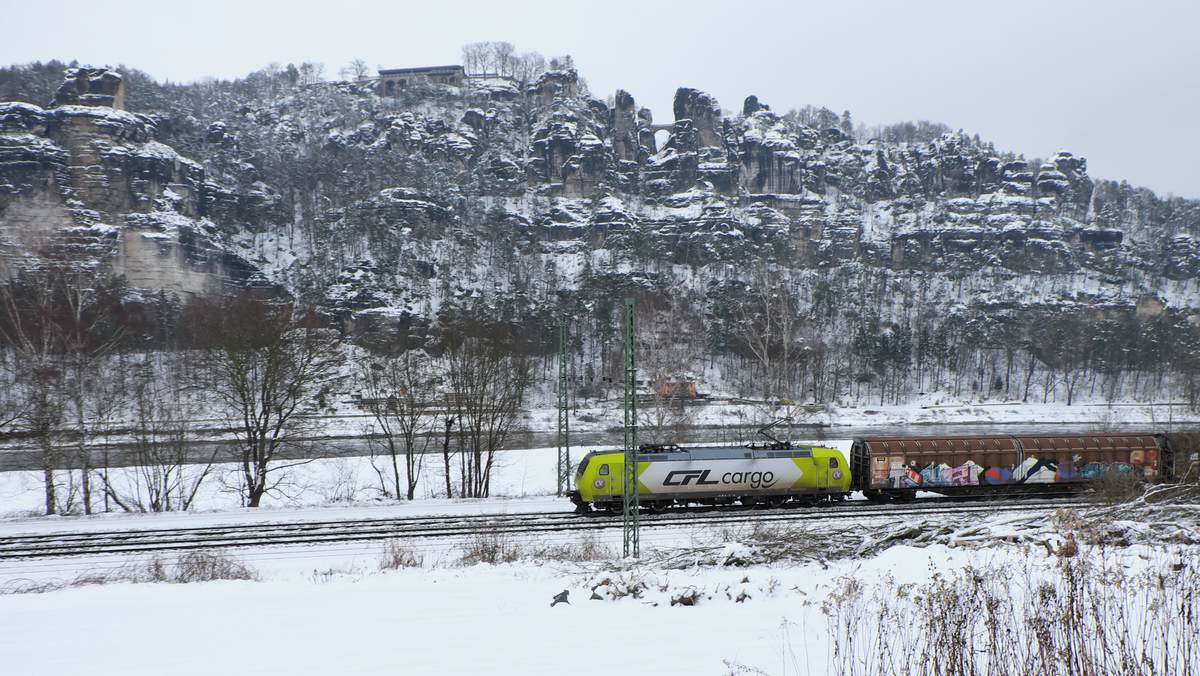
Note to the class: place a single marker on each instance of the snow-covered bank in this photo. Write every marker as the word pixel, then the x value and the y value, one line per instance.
pixel 927 411
pixel 730 420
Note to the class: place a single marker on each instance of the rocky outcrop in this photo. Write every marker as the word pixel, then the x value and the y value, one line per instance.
pixel 89 185
pixel 89 86
pixel 516 201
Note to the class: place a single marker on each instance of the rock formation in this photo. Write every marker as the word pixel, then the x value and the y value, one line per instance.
pixel 519 203
pixel 86 183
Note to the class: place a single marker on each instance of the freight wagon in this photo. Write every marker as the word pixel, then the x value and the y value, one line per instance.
pixel 897 467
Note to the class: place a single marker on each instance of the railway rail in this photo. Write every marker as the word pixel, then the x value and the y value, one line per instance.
pixel 80 543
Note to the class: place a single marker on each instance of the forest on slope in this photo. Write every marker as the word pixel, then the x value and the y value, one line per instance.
pixel 792 255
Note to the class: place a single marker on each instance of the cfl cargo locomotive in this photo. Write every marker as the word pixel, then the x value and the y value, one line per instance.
pixel 714 475
pixel 882 468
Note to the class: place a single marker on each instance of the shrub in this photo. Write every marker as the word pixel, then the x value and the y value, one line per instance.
pixel 396 555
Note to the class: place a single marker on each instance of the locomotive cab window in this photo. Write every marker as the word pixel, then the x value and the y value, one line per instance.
pixel 603 470
pixel 833 462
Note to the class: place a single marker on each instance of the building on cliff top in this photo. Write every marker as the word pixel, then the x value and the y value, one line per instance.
pixel 392 81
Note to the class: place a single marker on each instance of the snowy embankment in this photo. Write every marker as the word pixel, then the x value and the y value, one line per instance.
pixel 800 616
pixel 928 411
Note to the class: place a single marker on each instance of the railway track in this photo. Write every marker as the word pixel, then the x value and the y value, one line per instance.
pixel 42 546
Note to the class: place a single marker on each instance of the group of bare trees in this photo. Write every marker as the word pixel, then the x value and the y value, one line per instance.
pixel 399 391
pixel 501 58
pixel 784 347
pixel 56 327
pixel 107 404
pixel 268 364
pixel 81 383
pixel 467 402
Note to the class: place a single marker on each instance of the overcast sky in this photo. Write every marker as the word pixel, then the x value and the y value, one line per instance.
pixel 1116 82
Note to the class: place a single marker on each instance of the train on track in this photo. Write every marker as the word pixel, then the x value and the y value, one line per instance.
pixel 779 473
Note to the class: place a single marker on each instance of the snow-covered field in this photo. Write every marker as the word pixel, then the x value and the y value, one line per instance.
pixel 490 618
pixel 481 619
pixel 339 487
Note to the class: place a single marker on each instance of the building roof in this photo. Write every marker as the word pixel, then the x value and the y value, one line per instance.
pixel 422 70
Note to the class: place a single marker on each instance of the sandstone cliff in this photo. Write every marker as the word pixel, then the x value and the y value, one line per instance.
pixel 517 202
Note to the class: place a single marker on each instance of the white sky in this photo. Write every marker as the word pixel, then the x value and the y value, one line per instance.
pixel 1116 82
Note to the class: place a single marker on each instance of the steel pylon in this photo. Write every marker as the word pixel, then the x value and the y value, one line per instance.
pixel 630 525
pixel 564 410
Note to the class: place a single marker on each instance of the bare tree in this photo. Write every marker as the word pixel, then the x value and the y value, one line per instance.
pixel 474 57
pixel 398 394
pixel 769 326
pixel 163 478
pixel 87 332
pixel 355 71
pixel 487 389
pixel 267 365
pixel 670 336
pixel 30 328
pixel 503 58
pixel 448 421
pixel 311 72
pixel 527 67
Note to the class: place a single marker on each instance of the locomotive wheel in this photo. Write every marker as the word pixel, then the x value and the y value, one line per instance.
pixel 749 501
pixel 777 500
pixel 658 506
pixel 613 508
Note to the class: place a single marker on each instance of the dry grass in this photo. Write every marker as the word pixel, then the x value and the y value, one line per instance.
pixel 190 567
pixel 1087 617
pixel 396 556
pixel 586 549
pixel 490 548
pixel 497 548
pixel 198 566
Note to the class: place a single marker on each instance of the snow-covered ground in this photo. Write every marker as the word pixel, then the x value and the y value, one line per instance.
pixel 481 618
pixel 333 488
pixel 340 608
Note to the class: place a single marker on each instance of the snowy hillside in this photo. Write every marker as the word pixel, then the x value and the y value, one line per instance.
pixel 935 264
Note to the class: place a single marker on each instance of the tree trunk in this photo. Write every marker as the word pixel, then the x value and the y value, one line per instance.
pixel 51 498
pixel 396 466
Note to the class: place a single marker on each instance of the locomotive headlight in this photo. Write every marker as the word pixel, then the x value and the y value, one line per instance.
pixel 598 483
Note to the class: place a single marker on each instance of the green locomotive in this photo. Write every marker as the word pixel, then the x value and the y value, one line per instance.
pixel 714 475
